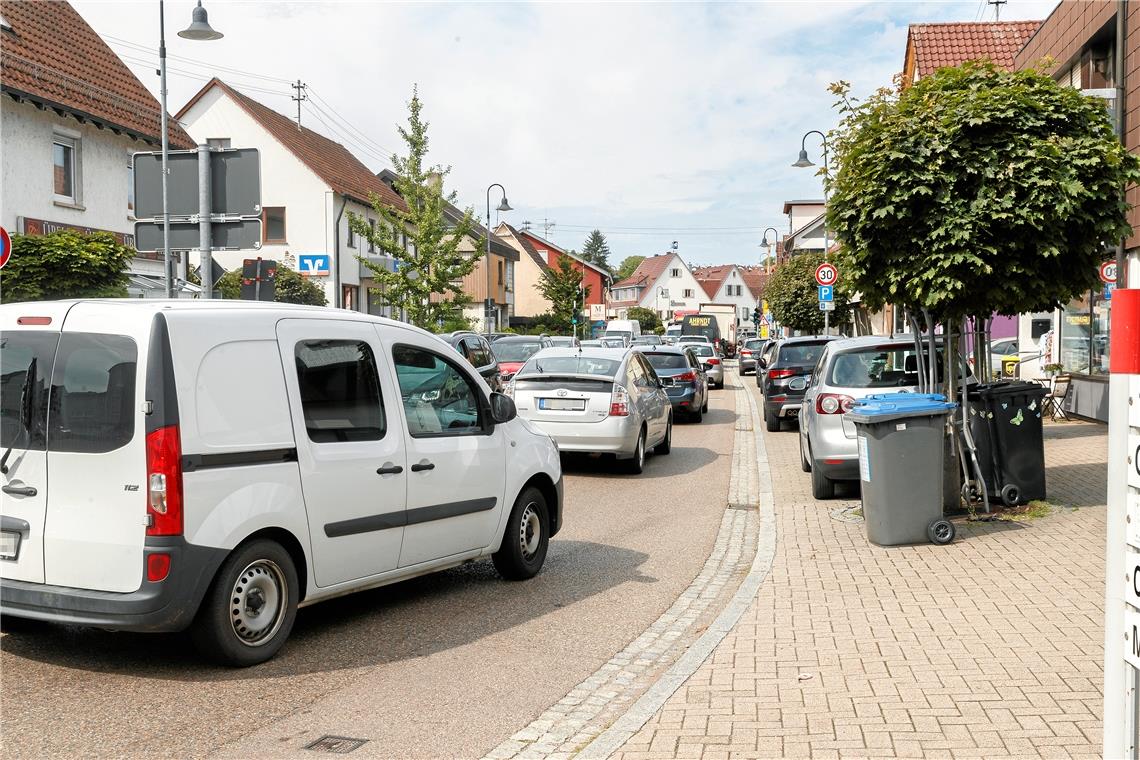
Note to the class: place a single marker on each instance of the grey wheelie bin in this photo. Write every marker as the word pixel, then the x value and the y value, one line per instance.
pixel 901 450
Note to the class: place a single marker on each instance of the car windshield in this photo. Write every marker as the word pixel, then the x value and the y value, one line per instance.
pixel 703 349
pixel 878 367
pixel 667 361
pixel 563 342
pixel 613 342
pixel 570 365
pixel 800 353
pixel 753 344
pixel 516 351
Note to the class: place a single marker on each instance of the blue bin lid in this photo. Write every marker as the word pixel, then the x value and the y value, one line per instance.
pixel 893 405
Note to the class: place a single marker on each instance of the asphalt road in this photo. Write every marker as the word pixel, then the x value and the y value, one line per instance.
pixel 443 666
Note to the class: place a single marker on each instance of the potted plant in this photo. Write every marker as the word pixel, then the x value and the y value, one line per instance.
pixel 1052 369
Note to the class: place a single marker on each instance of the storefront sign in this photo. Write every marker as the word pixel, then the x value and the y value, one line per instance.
pixel 44 227
pixel 314 264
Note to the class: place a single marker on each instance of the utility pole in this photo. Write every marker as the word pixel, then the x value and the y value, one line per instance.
pixel 526 226
pixel 547 226
pixel 997 4
pixel 301 95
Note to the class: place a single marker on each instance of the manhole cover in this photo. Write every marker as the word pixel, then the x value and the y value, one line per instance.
pixel 339 745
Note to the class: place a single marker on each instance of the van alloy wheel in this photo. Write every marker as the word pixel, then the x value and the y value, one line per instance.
pixel 257 606
pixel 530 531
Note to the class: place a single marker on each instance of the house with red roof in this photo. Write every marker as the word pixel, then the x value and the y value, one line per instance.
pixel 309 183
pixel 71 118
pixel 930 47
pixel 662 283
pixel 731 284
pixel 528 300
pixel 594 277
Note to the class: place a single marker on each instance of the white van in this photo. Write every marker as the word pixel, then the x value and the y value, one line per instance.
pixel 626 329
pixel 214 465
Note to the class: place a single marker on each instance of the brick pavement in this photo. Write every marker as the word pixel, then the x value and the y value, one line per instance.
pixel 988 648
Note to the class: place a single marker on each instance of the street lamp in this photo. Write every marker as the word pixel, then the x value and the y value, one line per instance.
pixel 199 29
pixel 504 206
pixel 764 242
pixel 802 162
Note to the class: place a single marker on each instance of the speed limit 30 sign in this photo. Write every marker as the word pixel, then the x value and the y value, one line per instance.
pixel 826 274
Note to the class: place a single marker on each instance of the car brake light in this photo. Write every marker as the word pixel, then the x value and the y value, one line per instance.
pixel 833 403
pixel 619 402
pixel 714 360
pixel 164 482
pixel 157 567
pixel 777 373
pixel 686 377
pixel 33 321
pixel 745 352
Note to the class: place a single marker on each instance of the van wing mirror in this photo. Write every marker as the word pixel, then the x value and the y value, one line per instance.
pixel 502 408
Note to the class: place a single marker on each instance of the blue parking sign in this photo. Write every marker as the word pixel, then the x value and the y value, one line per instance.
pixel 826 292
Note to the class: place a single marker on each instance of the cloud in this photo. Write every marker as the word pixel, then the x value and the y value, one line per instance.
pixel 613 115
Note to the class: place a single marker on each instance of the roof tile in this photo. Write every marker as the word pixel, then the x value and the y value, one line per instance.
pixel 937 46
pixel 647 271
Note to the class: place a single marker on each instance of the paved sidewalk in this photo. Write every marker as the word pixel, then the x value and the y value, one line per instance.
pixel 988 648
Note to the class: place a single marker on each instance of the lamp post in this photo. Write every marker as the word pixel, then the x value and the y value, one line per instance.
pixel 504 206
pixel 803 162
pixel 199 29
pixel 764 242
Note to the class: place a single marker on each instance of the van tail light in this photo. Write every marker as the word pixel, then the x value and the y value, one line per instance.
pixel 685 377
pixel 777 373
pixel 833 403
pixel 157 566
pixel 164 482
pixel 619 402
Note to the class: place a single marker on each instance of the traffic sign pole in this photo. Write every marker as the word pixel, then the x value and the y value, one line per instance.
pixel 205 257
pixel 825 276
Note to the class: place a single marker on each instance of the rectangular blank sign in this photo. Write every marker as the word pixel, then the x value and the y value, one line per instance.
pixel 240 235
pixel 235 183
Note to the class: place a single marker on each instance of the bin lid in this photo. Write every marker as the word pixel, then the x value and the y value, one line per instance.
pixel 884 407
pixel 1009 388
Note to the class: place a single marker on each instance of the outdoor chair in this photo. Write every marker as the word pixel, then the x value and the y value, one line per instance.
pixel 1055 399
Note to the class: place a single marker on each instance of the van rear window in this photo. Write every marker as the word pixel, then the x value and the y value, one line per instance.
pixel 93 406
pixel 24 399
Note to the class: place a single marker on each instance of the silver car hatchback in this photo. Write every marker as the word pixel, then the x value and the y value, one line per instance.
pixel 847 370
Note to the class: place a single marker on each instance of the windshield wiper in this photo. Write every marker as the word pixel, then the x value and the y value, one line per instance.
pixel 25 413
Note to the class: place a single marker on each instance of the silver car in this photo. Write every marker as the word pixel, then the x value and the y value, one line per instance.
pixel 710 360
pixel 596 400
pixel 749 353
pixel 847 370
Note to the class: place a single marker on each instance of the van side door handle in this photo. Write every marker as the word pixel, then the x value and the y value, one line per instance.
pixel 422 465
pixel 20 490
pixel 389 469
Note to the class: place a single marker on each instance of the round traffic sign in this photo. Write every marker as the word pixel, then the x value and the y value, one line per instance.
pixel 5 247
pixel 826 274
pixel 1108 272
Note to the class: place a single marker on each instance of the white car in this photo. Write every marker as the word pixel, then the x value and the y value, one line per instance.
pixel 214 465
pixel 596 400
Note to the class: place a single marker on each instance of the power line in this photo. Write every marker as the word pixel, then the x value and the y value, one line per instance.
pixel 195 75
pixel 332 114
pixel 195 61
pixel 340 134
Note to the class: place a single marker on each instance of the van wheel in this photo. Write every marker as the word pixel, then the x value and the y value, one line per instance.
pixel 526 538
pixel 250 607
pixel 666 444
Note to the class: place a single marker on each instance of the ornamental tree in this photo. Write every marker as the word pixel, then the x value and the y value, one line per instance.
pixel 793 296
pixel 562 286
pixel 975 191
pixel 596 250
pixel 65 264
pixel 288 287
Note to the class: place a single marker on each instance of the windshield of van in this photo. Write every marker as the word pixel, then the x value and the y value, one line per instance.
pixel 878 367
pixel 515 351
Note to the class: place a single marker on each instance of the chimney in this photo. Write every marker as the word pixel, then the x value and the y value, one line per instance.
pixel 435 179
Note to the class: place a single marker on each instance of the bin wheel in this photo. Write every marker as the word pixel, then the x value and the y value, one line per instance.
pixel 970 493
pixel 940 531
pixel 1010 495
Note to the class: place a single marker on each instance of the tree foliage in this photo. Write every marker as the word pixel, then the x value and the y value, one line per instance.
pixel 562 286
pixel 288 287
pixel 596 250
pixel 627 267
pixel 976 190
pixel 647 318
pixel 432 264
pixel 793 296
pixel 65 264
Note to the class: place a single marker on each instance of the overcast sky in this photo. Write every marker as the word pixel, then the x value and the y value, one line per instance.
pixel 654 122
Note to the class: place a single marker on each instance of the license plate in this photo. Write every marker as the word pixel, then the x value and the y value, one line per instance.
pixel 9 544
pixel 562 404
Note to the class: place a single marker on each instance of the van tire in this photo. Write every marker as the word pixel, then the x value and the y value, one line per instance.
pixel 522 552
pixel 257 569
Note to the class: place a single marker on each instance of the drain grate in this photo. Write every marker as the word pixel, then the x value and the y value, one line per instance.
pixel 338 745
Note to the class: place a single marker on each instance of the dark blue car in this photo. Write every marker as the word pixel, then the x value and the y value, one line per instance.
pixel 683 378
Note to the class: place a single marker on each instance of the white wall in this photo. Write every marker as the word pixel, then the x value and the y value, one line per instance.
pixel 744 301
pixel 27 184
pixel 802 213
pixel 676 286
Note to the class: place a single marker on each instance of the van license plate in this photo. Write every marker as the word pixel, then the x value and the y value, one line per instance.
pixel 9 544
pixel 563 404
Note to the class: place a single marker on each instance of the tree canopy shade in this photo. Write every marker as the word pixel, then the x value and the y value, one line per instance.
pixel 647 318
pixel 65 264
pixel 427 282
pixel 793 296
pixel 976 191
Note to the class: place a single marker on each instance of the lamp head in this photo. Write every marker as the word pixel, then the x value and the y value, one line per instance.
pixel 200 28
pixel 504 206
pixel 803 161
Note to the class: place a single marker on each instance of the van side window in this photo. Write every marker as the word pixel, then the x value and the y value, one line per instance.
pixel 439 399
pixel 22 352
pixel 340 391
pixel 92 407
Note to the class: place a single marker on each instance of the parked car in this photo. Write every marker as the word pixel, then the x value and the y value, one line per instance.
pixel 788 367
pixel 564 341
pixel 766 352
pixel 685 380
pixel 847 370
pixel 647 340
pixel 614 343
pixel 749 353
pixel 596 400
pixel 513 351
pixel 475 349
pixel 686 339
pixel 592 343
pixel 160 494
pixel 712 362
